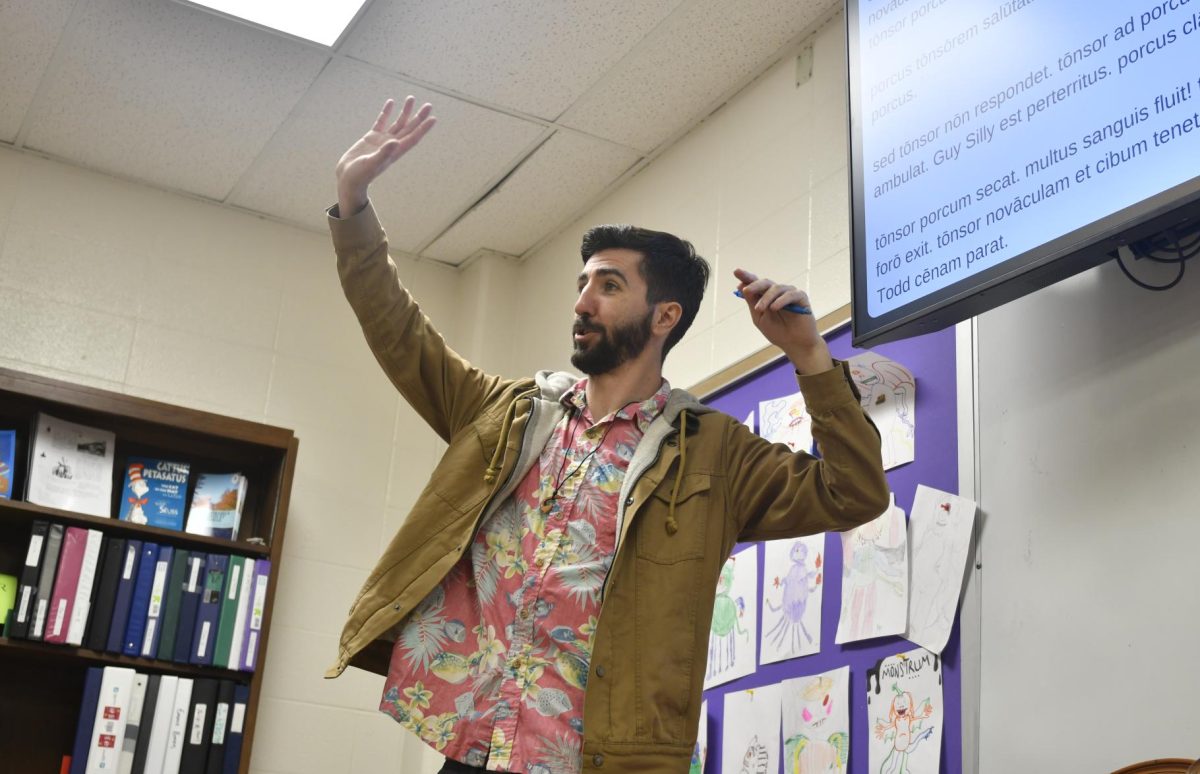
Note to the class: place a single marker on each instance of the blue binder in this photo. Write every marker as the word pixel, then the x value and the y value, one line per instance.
pixel 120 613
pixel 156 601
pixel 87 719
pixel 233 737
pixel 135 630
pixel 189 604
pixel 204 641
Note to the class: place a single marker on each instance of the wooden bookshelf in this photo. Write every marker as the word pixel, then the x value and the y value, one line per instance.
pixel 41 684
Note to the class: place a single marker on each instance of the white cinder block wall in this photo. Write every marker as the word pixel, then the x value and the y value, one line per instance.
pixel 761 184
pixel 123 287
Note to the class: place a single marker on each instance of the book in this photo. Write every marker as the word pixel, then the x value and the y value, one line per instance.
pixel 85 588
pixel 8 462
pixel 66 582
pixel 28 582
pixel 120 613
pixel 204 639
pixel 216 508
pixel 237 721
pixel 177 731
pixel 8 599
pixel 160 726
pixel 228 612
pixel 198 738
pixel 70 467
pixel 170 612
pixel 139 605
pixel 189 603
pixel 254 616
pixel 112 713
pixel 87 719
pixel 158 590
pixel 155 492
pixel 133 723
pixel 220 727
pixel 96 636
pixel 145 726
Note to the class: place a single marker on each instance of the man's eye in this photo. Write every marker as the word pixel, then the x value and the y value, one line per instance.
pixel 611 286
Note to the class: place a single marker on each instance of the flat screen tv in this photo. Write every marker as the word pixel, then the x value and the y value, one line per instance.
pixel 999 146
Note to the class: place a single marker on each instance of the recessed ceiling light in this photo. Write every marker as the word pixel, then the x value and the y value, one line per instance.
pixel 321 21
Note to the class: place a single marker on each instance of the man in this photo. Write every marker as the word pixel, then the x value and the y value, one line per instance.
pixel 545 607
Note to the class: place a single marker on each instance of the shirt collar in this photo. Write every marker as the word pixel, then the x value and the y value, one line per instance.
pixel 643 412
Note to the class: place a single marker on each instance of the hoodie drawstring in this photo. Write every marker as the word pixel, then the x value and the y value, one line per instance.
pixel 672 525
pixel 493 468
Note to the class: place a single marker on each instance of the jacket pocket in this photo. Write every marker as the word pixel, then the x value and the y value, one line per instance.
pixel 656 540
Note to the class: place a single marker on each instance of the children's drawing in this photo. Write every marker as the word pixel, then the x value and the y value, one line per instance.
pixel 874 578
pixel 904 714
pixel 749 421
pixel 750 741
pixel 940 536
pixel 816 723
pixel 700 750
pixel 735 620
pixel 786 420
pixel 793 577
pixel 889 395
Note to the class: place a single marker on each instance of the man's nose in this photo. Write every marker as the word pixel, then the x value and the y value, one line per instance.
pixel 585 304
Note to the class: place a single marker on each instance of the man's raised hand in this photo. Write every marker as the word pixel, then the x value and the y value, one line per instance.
pixel 377 150
pixel 795 334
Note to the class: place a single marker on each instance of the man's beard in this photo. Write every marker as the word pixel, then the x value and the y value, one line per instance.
pixel 609 352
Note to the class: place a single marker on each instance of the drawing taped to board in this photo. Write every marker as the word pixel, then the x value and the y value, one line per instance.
pixel 786 420
pixel 700 749
pixel 750 738
pixel 889 396
pixel 749 421
pixel 905 713
pixel 940 539
pixel 735 620
pixel 874 578
pixel 816 723
pixel 793 578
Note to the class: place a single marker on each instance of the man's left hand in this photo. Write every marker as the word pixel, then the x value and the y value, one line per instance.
pixel 796 334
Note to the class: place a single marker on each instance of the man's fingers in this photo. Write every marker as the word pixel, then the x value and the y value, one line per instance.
pixel 768 297
pixel 405 112
pixel 792 296
pixel 381 121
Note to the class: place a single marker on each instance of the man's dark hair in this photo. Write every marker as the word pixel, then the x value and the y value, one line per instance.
pixel 669 265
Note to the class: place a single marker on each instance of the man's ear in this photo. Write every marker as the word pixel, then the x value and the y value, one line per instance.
pixel 667 315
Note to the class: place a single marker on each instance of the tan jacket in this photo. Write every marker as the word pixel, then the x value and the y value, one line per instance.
pixel 698 483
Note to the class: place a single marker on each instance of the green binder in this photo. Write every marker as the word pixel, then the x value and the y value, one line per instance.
pixel 170 615
pixel 229 603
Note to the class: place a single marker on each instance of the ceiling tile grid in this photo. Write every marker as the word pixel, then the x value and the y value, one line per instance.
pixel 167 94
pixel 551 186
pixel 469 149
pixel 677 73
pixel 532 57
pixel 31 32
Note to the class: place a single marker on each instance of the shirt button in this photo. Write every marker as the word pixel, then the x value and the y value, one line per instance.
pixel 597 760
pixel 599 671
pixel 540 562
pixel 629 501
pixel 523 614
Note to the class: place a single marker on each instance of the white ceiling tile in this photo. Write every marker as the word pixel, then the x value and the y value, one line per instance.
pixel 31 31
pixel 167 94
pixel 553 184
pixel 469 148
pixel 535 57
pixel 686 64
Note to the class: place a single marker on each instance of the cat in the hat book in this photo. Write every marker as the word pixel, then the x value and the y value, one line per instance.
pixel 155 492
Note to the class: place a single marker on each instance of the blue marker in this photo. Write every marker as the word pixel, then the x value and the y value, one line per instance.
pixel 789 308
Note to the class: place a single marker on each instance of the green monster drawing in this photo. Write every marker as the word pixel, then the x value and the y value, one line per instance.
pixel 726 628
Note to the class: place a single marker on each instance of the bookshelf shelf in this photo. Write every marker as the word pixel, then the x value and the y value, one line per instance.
pixel 22 513
pixel 65 654
pixel 41 684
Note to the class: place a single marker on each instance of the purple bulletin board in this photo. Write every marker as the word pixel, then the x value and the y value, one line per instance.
pixel 931 360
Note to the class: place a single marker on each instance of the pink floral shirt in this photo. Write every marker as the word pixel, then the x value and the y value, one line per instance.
pixel 490 668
